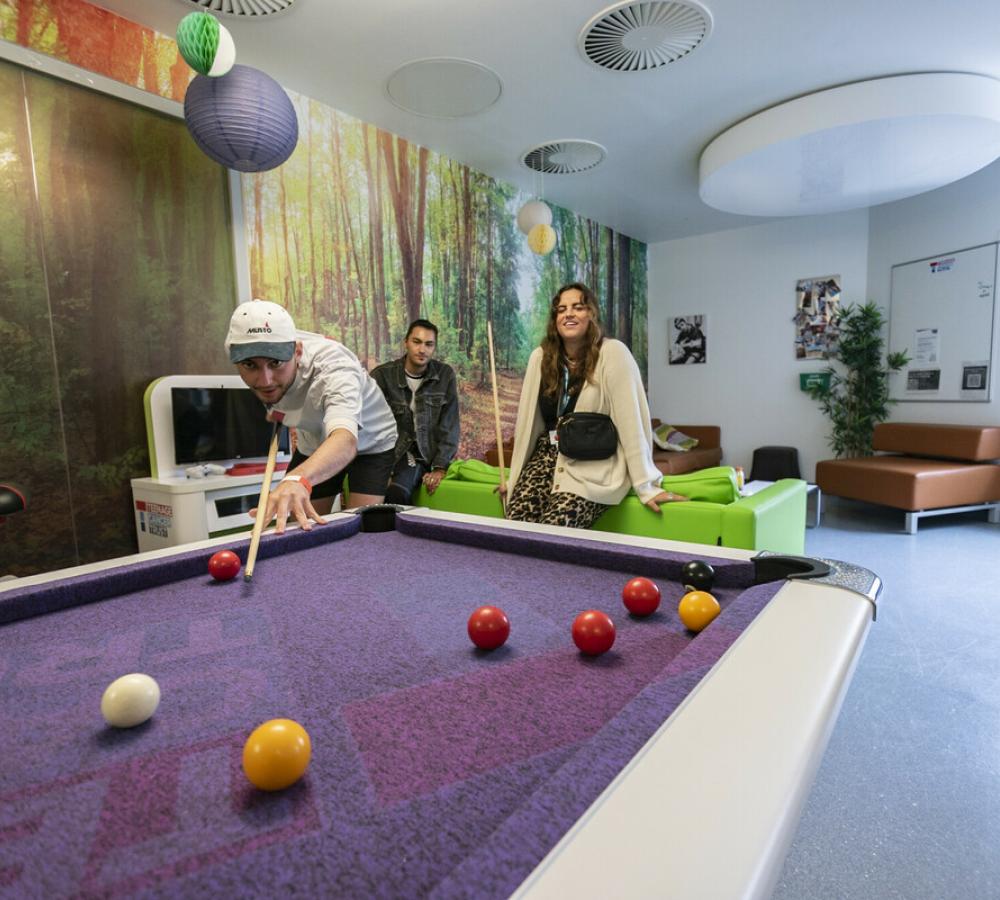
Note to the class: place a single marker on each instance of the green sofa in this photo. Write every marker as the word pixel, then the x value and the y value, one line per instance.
pixel 772 519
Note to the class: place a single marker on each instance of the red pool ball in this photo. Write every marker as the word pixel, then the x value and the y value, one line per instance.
pixel 224 565
pixel 641 597
pixel 593 632
pixel 489 627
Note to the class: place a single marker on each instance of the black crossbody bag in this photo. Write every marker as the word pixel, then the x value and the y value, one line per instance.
pixel 584 435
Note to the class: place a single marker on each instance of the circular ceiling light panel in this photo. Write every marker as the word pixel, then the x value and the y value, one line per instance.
pixel 567 157
pixel 854 146
pixel 444 88
pixel 244 9
pixel 637 37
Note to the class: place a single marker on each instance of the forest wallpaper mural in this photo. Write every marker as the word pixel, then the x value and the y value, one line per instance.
pixel 360 232
pixel 119 268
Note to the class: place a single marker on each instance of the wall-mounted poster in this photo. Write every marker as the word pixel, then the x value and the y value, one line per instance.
pixel 817 304
pixel 688 340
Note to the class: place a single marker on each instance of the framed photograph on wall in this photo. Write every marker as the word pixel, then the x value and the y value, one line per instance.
pixel 688 340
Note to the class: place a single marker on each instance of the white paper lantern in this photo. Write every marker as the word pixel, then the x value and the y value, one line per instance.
pixel 533 213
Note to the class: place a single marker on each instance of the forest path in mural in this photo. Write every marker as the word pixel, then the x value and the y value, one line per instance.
pixel 476 402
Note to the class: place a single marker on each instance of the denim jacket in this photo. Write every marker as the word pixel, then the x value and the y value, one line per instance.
pixel 436 428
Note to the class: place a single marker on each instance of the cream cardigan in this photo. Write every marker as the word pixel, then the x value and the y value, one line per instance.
pixel 617 391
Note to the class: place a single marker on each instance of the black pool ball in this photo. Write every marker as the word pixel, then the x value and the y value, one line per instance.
pixel 698 575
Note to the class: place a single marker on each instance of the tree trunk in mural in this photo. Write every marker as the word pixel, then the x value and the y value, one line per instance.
pixel 461 289
pixel 594 255
pixel 376 242
pixel 257 250
pixel 355 286
pixel 313 283
pixel 466 295
pixel 25 21
pixel 610 283
pixel 409 206
pixel 289 291
pixel 624 329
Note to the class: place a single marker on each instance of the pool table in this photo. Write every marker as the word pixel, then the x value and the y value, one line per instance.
pixel 675 764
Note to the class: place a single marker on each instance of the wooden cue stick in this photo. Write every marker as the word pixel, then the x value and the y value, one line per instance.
pixel 265 491
pixel 496 416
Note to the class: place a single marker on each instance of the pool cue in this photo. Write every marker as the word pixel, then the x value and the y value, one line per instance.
pixel 496 416
pixel 265 491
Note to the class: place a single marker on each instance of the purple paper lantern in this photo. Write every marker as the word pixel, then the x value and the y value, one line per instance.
pixel 243 120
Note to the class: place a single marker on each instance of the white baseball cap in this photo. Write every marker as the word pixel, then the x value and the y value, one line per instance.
pixel 261 328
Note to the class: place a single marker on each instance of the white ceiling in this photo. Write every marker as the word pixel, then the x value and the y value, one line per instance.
pixel 654 124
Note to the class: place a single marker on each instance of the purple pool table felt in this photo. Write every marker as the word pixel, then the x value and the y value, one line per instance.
pixel 438 769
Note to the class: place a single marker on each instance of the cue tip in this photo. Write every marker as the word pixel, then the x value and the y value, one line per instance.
pixel 247 576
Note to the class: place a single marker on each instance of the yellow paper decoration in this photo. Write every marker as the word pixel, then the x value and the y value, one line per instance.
pixel 542 239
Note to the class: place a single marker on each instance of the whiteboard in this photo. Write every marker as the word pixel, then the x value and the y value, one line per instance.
pixel 942 313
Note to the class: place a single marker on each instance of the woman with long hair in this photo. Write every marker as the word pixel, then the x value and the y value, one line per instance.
pixel 577 369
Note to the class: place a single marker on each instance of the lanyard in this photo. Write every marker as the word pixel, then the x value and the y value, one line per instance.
pixel 564 396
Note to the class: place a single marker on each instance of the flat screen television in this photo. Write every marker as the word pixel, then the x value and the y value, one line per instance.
pixel 220 424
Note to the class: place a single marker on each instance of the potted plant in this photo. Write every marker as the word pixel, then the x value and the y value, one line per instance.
pixel 857 399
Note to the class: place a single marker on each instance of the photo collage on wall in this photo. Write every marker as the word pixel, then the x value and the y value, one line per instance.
pixel 817 309
pixel 688 340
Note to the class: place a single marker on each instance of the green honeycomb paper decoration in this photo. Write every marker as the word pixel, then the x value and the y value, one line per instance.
pixel 207 46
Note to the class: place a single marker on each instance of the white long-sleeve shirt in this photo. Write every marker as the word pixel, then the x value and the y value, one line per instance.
pixel 332 390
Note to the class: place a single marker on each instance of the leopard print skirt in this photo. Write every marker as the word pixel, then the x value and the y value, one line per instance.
pixel 533 499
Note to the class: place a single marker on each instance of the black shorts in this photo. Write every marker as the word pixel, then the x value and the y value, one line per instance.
pixel 368 473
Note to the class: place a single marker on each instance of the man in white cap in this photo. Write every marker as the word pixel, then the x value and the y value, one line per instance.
pixel 315 385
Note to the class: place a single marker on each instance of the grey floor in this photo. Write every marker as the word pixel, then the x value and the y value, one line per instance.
pixel 907 800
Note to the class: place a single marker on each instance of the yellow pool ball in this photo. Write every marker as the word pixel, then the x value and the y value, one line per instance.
pixel 697 609
pixel 276 754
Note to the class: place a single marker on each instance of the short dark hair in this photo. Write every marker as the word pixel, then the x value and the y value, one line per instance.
pixel 421 323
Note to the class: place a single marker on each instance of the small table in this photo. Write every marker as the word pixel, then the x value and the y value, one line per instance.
pixel 812 521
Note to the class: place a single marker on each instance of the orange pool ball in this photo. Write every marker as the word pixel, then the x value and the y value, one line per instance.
pixel 697 609
pixel 276 754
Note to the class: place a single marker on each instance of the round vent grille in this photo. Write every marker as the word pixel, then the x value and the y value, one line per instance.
pixel 637 37
pixel 564 157
pixel 244 9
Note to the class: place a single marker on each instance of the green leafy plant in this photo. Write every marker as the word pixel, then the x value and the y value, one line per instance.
pixel 857 398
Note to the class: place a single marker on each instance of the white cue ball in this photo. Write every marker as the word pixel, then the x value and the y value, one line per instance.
pixel 130 700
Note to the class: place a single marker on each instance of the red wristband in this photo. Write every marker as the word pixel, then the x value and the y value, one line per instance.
pixel 301 479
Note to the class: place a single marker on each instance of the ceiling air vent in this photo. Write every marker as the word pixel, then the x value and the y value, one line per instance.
pixel 637 37
pixel 564 157
pixel 243 9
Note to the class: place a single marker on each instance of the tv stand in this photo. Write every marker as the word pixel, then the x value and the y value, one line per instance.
pixel 172 511
pixel 170 508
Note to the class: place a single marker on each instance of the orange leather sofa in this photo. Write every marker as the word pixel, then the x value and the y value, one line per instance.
pixel 708 453
pixel 922 469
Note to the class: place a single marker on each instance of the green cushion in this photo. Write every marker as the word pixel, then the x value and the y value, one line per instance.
pixel 473 470
pixel 714 485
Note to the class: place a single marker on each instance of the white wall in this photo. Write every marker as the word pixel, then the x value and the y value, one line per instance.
pixel 744 281
pixel 961 215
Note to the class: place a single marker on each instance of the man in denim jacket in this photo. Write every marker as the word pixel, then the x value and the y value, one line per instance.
pixel 422 394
